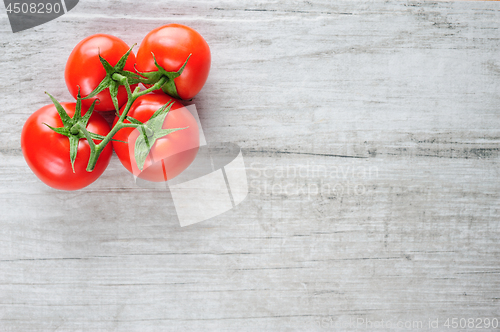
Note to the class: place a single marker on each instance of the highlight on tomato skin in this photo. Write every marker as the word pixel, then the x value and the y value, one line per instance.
pixel 169 155
pixel 47 152
pixel 172 44
pixel 84 70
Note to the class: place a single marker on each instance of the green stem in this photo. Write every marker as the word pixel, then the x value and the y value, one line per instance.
pixel 94 154
pixel 95 150
pixel 119 78
pixel 154 87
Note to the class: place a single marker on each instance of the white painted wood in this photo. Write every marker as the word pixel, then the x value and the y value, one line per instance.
pixel 398 100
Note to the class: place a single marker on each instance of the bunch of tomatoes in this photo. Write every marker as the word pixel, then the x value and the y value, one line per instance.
pixel 68 145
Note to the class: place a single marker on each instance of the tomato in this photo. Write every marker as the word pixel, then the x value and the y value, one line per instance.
pixel 47 152
pixel 84 69
pixel 172 44
pixel 169 155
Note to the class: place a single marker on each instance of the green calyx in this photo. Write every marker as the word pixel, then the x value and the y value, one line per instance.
pixel 150 132
pixel 71 126
pixel 115 76
pixel 169 86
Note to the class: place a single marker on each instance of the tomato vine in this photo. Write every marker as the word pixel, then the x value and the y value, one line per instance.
pixel 75 128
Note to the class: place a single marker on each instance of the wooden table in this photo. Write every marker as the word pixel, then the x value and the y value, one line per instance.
pixel 370 131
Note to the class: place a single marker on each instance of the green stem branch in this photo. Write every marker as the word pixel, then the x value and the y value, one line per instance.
pixel 95 150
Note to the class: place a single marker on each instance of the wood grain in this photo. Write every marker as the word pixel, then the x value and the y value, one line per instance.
pixel 371 135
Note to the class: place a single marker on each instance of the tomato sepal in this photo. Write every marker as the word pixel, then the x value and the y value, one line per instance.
pixel 169 86
pixel 150 132
pixel 74 128
pixel 109 81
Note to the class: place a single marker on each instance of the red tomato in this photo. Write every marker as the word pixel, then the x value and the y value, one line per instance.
pixel 171 45
pixel 171 154
pixel 84 69
pixel 47 152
